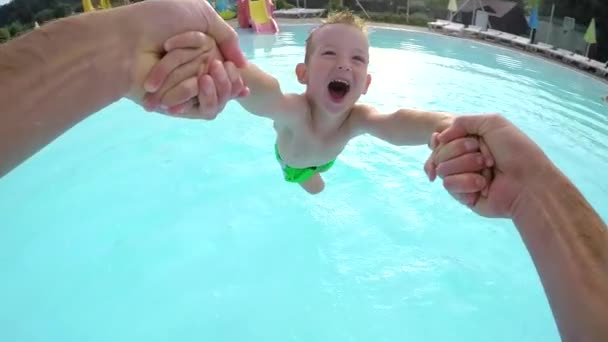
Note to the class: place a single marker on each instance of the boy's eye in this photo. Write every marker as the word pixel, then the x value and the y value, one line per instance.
pixel 331 53
pixel 359 58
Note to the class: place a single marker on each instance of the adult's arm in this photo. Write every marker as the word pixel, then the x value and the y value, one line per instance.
pixel 565 236
pixel 568 243
pixel 57 75
pixel 54 76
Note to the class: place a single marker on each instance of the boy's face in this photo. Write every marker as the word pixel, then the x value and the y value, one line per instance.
pixel 336 74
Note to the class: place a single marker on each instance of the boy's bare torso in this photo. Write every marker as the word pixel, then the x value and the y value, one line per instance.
pixel 307 139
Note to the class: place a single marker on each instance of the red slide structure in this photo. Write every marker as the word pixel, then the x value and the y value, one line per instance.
pixel 257 14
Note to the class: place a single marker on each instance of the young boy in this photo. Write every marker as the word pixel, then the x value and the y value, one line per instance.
pixel 314 127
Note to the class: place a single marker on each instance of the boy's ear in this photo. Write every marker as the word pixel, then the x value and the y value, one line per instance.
pixel 367 83
pixel 301 73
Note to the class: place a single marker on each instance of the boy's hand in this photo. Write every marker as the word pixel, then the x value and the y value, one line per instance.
pixel 214 89
pixel 470 154
pixel 190 81
pixel 519 166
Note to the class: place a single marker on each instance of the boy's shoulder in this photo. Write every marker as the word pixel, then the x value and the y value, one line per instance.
pixel 294 103
pixel 294 106
pixel 359 117
pixel 360 112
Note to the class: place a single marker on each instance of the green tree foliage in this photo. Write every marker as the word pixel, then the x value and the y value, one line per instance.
pixel 44 15
pixel 4 35
pixel 15 27
pixel 25 11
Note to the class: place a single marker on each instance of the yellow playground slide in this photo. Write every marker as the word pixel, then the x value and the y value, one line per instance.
pixel 87 5
pixel 261 20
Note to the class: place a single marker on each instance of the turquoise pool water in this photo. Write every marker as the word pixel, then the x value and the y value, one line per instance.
pixel 138 227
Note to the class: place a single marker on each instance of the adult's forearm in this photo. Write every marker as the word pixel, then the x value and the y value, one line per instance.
pixel 54 76
pixel 568 243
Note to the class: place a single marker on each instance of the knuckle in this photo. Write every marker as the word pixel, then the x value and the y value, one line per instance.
pixel 182 93
pixel 182 56
pixel 162 70
pixel 448 184
pixel 224 86
pixel 190 92
pixel 232 74
pixel 475 158
pixel 229 65
pixel 197 36
pixel 212 103
pixel 496 117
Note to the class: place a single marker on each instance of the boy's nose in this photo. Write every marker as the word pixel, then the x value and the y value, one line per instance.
pixel 344 67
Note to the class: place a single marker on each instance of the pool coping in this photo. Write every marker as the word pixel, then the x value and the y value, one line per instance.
pixel 308 21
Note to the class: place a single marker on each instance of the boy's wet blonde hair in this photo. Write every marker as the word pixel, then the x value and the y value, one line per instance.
pixel 341 17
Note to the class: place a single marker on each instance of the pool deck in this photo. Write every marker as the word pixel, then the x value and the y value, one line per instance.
pixel 234 23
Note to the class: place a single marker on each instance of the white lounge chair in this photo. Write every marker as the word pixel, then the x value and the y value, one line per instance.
pixel 490 34
pixel 522 42
pixel 542 47
pixel 560 53
pixel 437 24
pixel 453 28
pixel 600 68
pixel 299 12
pixel 506 37
pixel 473 30
pixel 580 60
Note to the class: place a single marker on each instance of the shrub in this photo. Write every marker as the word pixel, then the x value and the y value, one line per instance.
pixel 5 35
pixel 44 15
pixel 335 5
pixel 15 28
pixel 419 19
pixel 283 4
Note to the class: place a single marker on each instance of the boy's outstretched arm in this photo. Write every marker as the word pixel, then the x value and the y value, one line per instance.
pixel 265 95
pixel 403 127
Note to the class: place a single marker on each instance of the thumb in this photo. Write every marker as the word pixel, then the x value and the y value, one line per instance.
pixel 226 37
pixel 232 52
pixel 463 126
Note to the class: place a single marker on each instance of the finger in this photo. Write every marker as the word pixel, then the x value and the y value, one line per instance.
pixel 161 70
pixel 207 97
pixel 467 163
pixel 222 82
pixel 150 103
pixel 434 141
pixel 179 109
pixel 489 176
pixel 244 93
pixel 191 39
pixel 468 199
pixel 181 93
pixel 239 89
pixel 175 79
pixel 186 110
pixel 464 183
pixel 225 36
pixel 429 169
pixel 234 78
pixel 466 125
pixel 485 151
pixel 232 52
pixel 456 148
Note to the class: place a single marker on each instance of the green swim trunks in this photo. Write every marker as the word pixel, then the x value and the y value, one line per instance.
pixel 296 175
